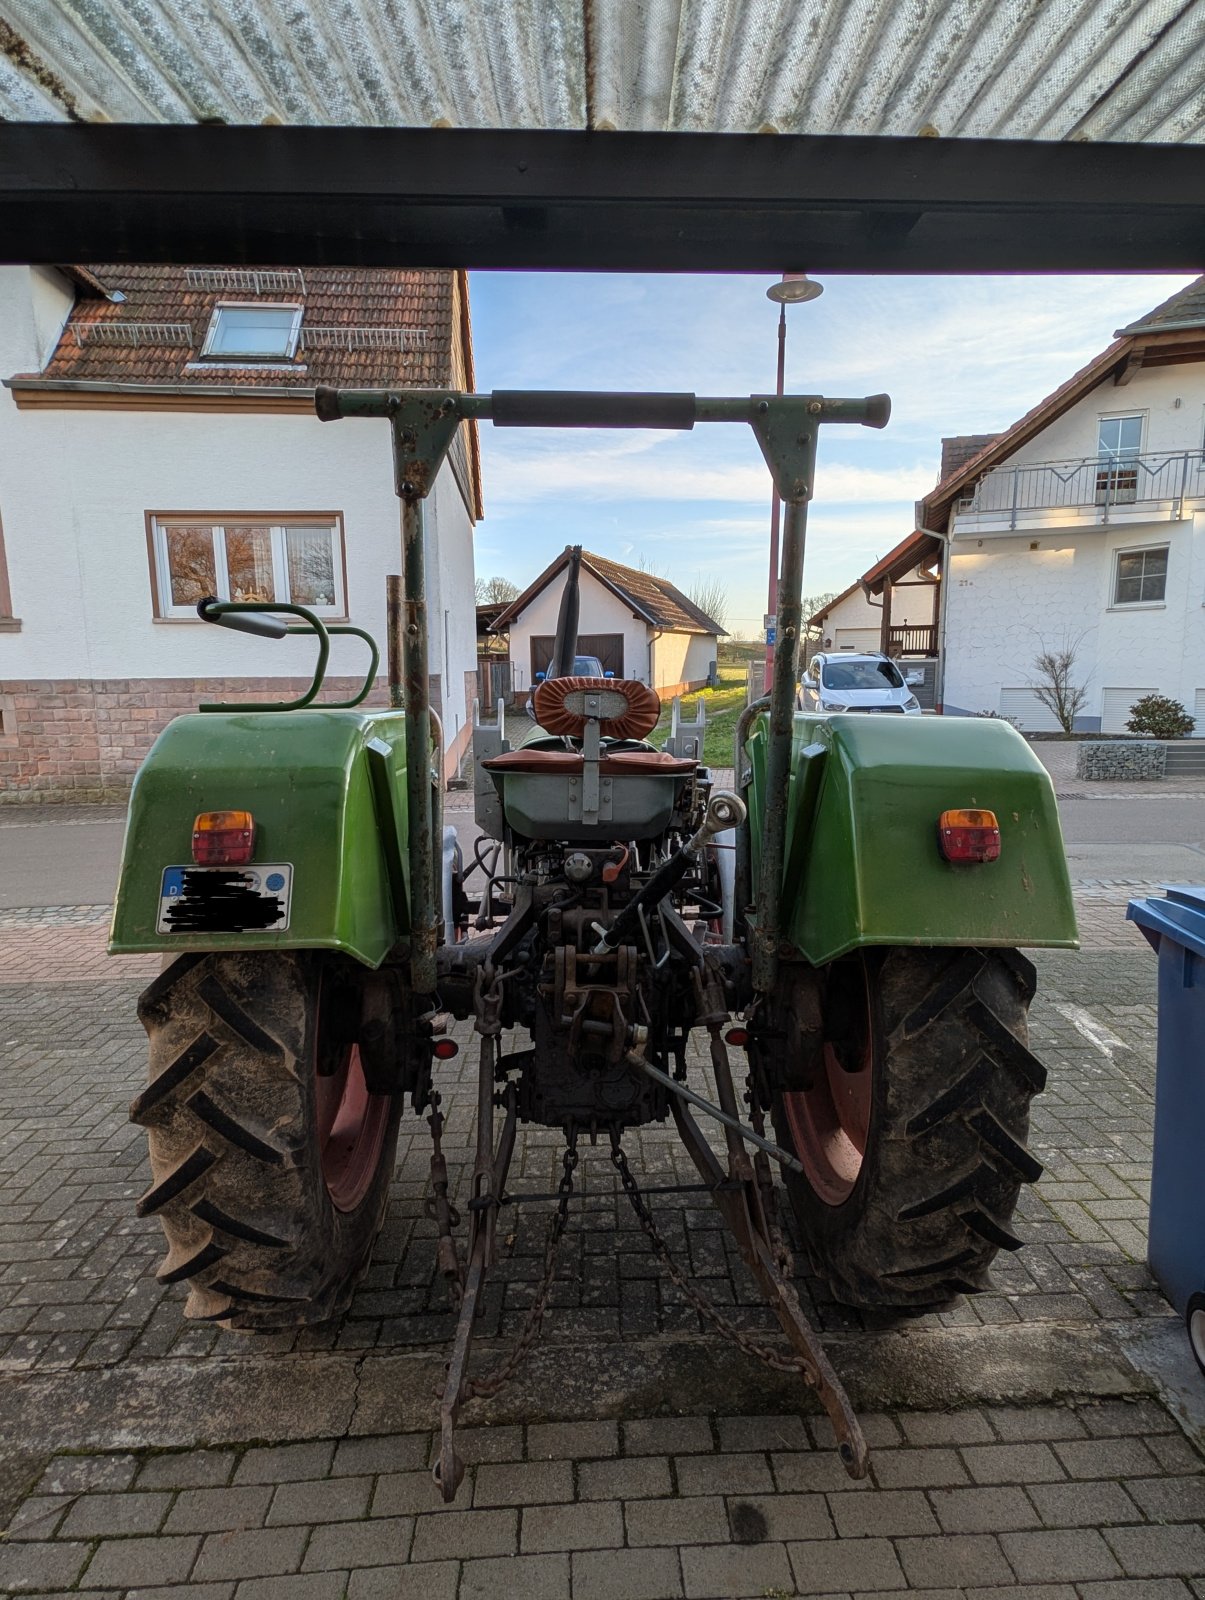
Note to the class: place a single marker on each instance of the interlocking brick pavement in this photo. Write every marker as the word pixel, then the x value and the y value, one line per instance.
pixel 1099 1502
pixel 1074 1531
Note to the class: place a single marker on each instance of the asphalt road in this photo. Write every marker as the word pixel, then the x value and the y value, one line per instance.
pixel 50 857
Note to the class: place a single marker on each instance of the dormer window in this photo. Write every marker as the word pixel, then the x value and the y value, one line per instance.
pixel 252 333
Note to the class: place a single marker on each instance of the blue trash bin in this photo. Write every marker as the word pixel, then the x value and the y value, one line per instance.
pixel 1175 928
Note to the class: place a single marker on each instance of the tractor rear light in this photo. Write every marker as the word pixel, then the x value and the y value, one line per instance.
pixel 969 835
pixel 223 838
pixel 737 1036
pixel 445 1049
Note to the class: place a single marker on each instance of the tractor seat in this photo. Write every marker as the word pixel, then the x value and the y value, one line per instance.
pixel 623 708
pixel 623 764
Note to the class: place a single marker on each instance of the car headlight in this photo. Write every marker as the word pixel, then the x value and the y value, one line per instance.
pixel 911 703
pixel 835 705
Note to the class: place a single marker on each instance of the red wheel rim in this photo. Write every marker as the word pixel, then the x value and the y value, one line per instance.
pixel 351 1127
pixel 830 1122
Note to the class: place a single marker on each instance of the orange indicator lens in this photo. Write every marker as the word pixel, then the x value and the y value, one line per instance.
pixel 223 838
pixel 969 835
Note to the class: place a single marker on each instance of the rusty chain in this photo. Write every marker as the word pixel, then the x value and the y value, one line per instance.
pixel 706 1308
pixel 489 1384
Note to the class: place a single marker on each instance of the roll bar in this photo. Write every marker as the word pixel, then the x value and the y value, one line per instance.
pixel 259 617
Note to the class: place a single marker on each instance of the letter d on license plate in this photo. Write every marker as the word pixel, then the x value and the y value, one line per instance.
pixel 225 899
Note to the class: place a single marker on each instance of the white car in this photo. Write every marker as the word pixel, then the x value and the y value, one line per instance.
pixel 845 681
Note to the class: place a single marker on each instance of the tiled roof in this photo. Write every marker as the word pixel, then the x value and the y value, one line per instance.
pixel 419 301
pixel 663 604
pixel 655 599
pixel 1186 309
pixel 911 552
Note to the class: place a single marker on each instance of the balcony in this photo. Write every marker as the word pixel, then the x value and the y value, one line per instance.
pixel 912 639
pixel 1140 488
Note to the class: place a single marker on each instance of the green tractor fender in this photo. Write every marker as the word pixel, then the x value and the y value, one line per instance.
pixel 327 792
pixel 863 865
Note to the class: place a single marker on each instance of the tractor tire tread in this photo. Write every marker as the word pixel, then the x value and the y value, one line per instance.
pixel 947 1153
pixel 230 1113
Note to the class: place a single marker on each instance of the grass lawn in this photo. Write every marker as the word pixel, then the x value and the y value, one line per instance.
pixel 723 706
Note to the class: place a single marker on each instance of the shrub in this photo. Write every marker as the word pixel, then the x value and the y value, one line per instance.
pixel 1160 717
pixel 998 716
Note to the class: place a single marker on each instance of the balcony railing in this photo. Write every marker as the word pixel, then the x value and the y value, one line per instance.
pixel 912 639
pixel 1102 485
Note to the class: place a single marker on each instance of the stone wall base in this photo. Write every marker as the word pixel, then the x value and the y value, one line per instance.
pixel 1120 761
pixel 80 741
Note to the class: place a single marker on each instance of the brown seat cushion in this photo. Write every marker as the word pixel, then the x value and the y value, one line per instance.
pixel 638 718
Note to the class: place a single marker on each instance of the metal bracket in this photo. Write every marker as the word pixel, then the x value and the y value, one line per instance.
pixel 785 427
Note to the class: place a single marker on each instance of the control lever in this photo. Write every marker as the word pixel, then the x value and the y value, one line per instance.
pixel 723 811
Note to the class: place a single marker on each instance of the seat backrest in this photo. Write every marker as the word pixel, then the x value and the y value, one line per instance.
pixel 623 708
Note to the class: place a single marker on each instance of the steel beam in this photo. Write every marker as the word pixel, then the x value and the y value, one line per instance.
pixel 608 201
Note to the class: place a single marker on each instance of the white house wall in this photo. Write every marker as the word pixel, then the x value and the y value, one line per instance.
pixel 75 489
pixel 682 660
pixel 855 623
pixel 600 611
pixel 1009 593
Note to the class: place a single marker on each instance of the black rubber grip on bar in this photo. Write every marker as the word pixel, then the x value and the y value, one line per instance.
pixel 257 622
pixel 576 408
pixel 872 412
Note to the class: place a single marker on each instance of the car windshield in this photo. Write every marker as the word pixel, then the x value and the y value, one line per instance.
pixel 587 667
pixel 860 675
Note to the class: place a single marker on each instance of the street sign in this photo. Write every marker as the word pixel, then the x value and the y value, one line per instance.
pixel 771 632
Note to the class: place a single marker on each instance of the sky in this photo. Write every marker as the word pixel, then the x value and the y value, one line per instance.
pixel 956 355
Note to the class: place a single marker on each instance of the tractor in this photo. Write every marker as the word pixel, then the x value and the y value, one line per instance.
pixel 846 923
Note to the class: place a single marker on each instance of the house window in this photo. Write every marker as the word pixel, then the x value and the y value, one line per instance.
pixel 1140 576
pixel 296 559
pixel 1119 441
pixel 252 332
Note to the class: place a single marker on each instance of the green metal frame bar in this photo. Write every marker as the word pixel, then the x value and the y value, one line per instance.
pixel 216 609
pixel 424 423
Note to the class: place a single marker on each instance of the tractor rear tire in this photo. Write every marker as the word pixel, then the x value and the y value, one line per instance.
pixel 913 1133
pixel 270 1178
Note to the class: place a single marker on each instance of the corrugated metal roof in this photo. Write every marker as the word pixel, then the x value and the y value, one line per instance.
pixel 1129 70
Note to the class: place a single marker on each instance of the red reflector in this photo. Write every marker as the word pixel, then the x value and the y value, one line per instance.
pixel 223 838
pixel 969 835
pixel 445 1049
pixel 739 1036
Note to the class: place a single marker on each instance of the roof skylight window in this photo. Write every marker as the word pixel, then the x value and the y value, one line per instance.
pixel 252 333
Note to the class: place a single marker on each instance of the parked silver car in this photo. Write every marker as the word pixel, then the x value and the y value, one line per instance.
pixel 846 681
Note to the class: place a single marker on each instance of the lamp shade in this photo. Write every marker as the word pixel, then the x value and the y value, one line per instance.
pixel 794 287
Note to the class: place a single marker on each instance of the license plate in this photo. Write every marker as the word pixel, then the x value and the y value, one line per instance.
pixel 225 899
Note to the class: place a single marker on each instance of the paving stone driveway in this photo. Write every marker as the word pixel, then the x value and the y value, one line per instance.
pixel 315 1481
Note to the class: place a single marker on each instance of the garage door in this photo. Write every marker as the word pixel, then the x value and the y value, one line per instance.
pixel 1115 708
pixel 1198 711
pixel 1027 711
pixel 856 639
pixel 608 647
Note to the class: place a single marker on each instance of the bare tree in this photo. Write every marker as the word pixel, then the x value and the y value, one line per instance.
pixel 495 591
pixel 812 636
pixel 711 597
pixel 1054 666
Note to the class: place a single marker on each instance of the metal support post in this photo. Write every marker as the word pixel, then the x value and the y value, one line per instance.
pixel 778 749
pixel 424 932
pixel 393 629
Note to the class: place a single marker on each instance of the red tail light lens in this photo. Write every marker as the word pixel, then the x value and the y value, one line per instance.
pixel 223 838
pixel 445 1049
pixel 737 1036
pixel 969 835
